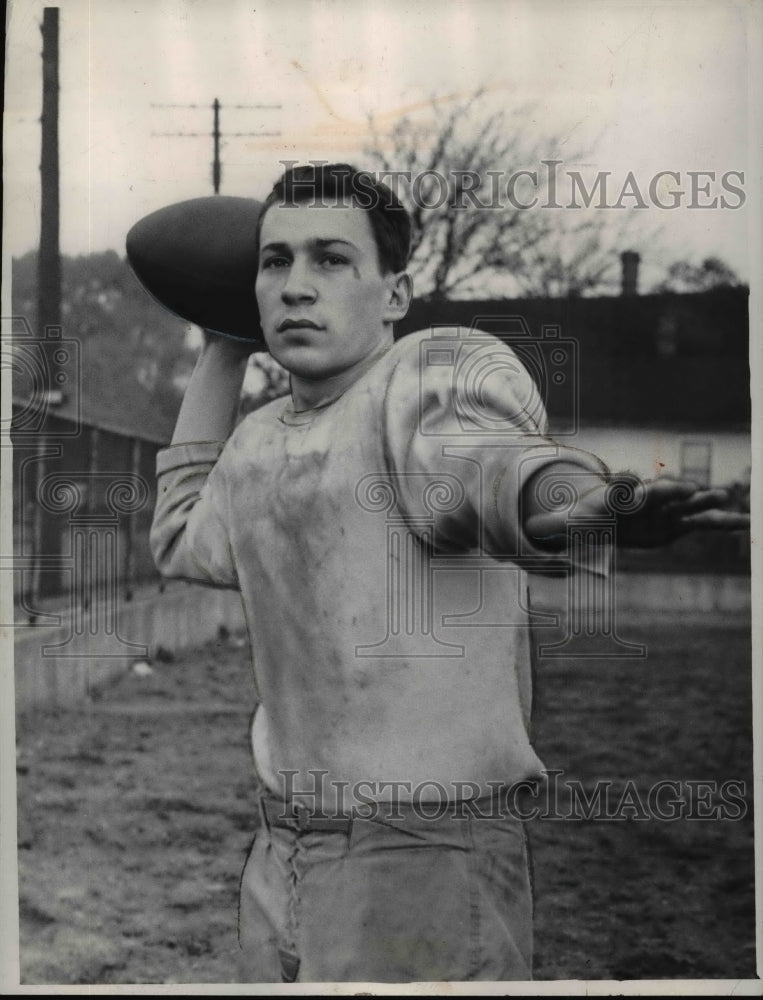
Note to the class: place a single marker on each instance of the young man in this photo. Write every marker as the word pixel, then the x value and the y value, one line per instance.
pixel 370 522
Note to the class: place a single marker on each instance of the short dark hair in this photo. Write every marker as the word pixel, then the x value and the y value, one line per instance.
pixel 332 183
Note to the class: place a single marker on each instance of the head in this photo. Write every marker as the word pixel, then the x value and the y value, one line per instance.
pixel 336 183
pixel 333 246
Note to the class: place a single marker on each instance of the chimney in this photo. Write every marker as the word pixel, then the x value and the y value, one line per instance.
pixel 630 261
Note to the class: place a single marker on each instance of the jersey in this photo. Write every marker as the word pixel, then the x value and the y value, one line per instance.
pixel 378 547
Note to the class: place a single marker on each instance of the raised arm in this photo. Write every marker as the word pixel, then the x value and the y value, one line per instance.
pixel 190 535
pixel 210 404
pixel 660 511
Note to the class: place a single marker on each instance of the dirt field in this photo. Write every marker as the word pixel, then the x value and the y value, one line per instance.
pixel 135 815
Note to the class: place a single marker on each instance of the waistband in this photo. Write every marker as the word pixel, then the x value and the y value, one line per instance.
pixel 291 815
pixel 297 816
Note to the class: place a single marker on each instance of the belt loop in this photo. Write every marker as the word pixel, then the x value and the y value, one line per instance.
pixel 303 816
pixel 264 821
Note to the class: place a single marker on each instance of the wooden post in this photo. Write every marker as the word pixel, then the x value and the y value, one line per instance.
pixel 49 262
pixel 129 570
pixel 216 169
pixel 47 528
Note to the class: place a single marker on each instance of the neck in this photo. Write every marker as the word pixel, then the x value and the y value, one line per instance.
pixel 308 393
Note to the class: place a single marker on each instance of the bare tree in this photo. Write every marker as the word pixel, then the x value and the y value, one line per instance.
pixel 683 276
pixel 470 237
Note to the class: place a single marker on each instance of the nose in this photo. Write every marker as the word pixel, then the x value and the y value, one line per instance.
pixel 298 286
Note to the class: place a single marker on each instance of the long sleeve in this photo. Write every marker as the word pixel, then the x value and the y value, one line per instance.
pixel 190 536
pixel 465 430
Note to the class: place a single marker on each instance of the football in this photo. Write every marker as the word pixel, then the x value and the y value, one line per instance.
pixel 198 258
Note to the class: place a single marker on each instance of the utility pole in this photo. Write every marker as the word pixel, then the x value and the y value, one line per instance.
pixel 216 170
pixel 217 135
pixel 46 530
pixel 49 260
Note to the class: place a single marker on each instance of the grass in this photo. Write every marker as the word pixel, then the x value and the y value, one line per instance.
pixel 136 812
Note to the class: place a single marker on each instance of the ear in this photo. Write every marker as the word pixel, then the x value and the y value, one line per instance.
pixel 400 293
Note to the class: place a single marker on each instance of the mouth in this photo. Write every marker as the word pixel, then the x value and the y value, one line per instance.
pixel 297 324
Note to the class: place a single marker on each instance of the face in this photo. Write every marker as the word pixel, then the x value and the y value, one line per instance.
pixel 325 305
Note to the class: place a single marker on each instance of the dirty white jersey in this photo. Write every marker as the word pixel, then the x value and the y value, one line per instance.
pixel 378 547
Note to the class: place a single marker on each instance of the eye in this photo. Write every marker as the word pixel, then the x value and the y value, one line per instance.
pixel 272 262
pixel 331 260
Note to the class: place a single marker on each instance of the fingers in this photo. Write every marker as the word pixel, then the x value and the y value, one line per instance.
pixel 700 512
pixel 675 507
pixel 680 498
pixel 699 501
pixel 664 491
pixel 726 520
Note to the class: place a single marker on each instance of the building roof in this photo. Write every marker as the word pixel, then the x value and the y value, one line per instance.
pixel 667 360
pixel 653 360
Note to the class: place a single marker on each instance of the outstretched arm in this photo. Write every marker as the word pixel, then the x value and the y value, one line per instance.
pixel 662 510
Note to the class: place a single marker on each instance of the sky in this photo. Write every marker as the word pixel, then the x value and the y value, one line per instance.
pixel 642 87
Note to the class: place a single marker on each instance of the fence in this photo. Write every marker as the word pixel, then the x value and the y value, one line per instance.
pixel 83 498
pixel 83 501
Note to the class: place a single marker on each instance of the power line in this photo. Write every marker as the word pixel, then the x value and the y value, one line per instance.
pixel 238 107
pixel 216 134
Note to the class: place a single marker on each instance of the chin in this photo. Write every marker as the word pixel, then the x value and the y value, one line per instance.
pixel 304 362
